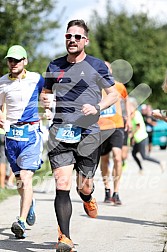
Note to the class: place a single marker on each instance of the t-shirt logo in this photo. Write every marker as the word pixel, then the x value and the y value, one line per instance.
pixel 82 73
pixel 60 76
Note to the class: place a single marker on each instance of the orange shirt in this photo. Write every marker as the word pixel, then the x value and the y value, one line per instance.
pixel 112 117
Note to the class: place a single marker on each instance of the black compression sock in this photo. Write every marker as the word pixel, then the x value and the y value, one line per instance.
pixel 63 210
pixel 84 197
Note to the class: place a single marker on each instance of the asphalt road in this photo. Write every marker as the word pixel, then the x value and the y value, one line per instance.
pixel 139 225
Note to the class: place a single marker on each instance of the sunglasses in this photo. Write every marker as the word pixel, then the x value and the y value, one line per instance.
pixel 77 37
pixel 10 60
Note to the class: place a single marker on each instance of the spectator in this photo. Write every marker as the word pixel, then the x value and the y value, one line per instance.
pixel 161 114
pixel 150 122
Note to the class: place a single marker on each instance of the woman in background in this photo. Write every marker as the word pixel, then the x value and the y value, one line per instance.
pixel 139 137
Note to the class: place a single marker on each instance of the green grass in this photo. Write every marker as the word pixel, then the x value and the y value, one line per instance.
pixel 5 193
pixel 39 176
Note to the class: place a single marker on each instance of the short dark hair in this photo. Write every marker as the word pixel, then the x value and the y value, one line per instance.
pixel 80 23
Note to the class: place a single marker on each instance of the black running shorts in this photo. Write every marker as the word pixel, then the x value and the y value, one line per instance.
pixel 115 139
pixel 84 155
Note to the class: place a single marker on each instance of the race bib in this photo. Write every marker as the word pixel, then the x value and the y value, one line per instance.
pixel 111 111
pixel 18 133
pixel 69 134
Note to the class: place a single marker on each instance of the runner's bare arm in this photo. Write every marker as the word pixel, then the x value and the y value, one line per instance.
pixel 109 99
pixel 1 117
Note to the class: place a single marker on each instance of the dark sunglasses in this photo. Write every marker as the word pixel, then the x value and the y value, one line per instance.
pixel 77 37
pixel 10 60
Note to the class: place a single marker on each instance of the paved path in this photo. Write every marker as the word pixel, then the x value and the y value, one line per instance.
pixel 136 226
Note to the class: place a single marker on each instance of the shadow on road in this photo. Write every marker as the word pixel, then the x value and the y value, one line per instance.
pixel 130 220
pixel 13 244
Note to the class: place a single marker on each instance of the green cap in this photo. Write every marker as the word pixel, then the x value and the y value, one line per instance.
pixel 16 52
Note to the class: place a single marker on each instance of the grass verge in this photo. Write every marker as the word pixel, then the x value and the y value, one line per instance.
pixel 41 174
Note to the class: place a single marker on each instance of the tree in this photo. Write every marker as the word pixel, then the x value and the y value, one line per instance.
pixel 137 39
pixel 28 23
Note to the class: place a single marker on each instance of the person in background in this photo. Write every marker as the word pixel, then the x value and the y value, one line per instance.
pixel 112 128
pixel 2 155
pixel 20 89
pixel 6 174
pixel 74 137
pixel 127 130
pixel 150 122
pixel 161 114
pixel 139 137
pixel 10 178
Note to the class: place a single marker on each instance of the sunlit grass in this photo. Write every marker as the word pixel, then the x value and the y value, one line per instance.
pixel 40 174
pixel 5 193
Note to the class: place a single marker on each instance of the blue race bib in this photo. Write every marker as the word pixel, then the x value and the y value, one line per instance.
pixel 111 111
pixel 69 134
pixel 18 133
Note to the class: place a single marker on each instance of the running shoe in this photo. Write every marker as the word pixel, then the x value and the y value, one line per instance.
pixel 107 196
pixel 18 228
pixel 124 166
pixel 115 199
pixel 31 214
pixel 91 208
pixel 107 200
pixel 141 172
pixel 64 244
pixel 59 233
pixel 162 166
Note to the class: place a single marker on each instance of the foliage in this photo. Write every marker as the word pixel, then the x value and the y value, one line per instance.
pixel 26 22
pixel 137 39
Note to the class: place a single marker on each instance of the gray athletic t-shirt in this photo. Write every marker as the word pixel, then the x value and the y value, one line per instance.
pixel 75 85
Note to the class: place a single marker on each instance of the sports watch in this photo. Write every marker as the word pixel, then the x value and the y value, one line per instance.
pixel 97 107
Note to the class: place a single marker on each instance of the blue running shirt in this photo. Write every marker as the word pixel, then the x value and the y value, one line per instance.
pixel 21 97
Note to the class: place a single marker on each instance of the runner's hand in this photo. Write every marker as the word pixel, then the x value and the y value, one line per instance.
pixel 88 109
